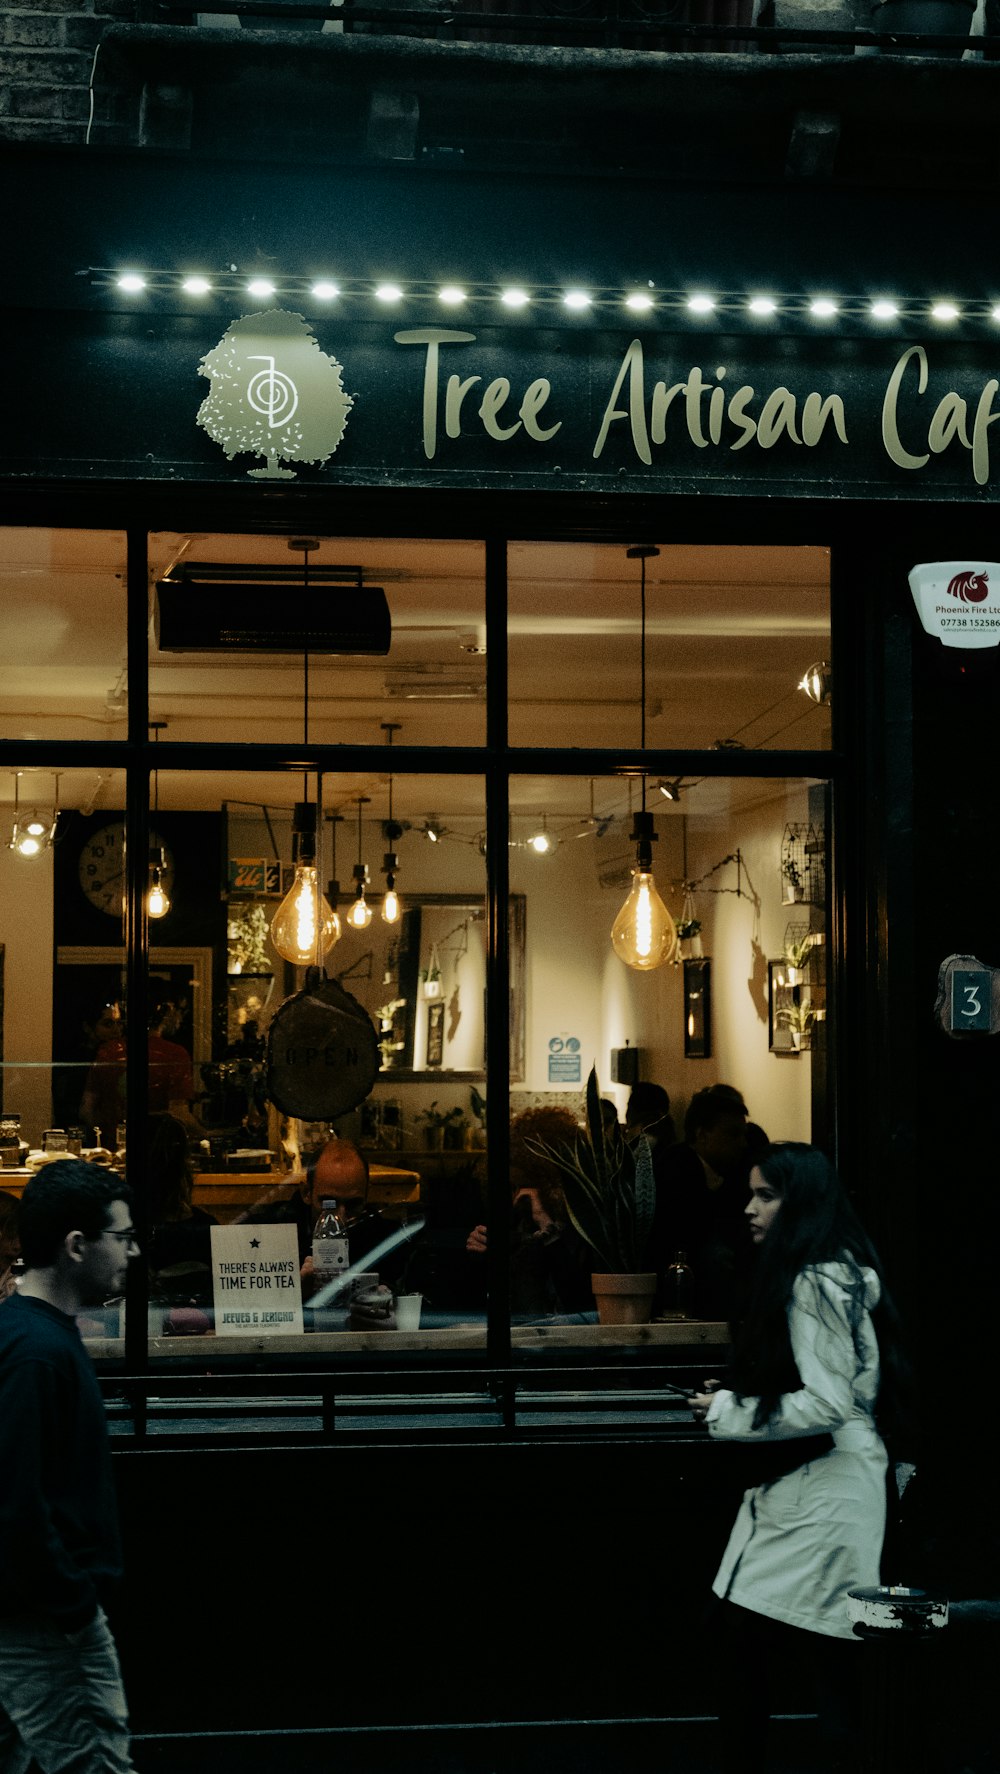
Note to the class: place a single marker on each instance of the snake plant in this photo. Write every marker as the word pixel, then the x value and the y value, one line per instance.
pixel 609 1189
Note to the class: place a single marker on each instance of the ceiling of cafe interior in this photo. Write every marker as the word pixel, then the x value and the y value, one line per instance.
pixel 729 633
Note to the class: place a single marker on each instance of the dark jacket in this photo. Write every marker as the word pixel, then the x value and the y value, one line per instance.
pixel 708 1224
pixel 59 1544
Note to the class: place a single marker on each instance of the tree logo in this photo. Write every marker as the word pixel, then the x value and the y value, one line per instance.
pixel 293 413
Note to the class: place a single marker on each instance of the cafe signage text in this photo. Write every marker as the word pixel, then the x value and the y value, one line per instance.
pixel 255 1280
pixel 711 409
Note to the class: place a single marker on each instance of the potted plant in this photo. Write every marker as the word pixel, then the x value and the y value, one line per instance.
pixel 455 1125
pixel 610 1196
pixel 688 928
pixel 796 952
pixel 439 1122
pixel 798 1019
pixel 793 890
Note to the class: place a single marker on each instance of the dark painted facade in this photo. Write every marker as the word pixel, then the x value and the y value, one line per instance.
pixel 101 398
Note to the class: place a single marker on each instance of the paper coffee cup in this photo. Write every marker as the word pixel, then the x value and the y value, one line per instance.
pixel 408 1311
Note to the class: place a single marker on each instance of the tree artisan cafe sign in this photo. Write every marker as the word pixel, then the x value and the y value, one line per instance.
pixel 593 408
pixel 687 410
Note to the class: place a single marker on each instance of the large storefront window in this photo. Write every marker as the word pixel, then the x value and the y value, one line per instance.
pixel 62 615
pixel 63 1000
pixel 273 1088
pixel 286 1063
pixel 741 867
pixel 730 634
pixel 395 631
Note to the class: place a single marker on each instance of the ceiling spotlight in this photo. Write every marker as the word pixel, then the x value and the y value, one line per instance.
pixel 762 305
pixel 884 310
pixel 640 303
pixel 515 298
pixel 131 282
pixel 577 299
pixel 196 286
pixel 432 829
pixel 817 682
pixel 542 841
pixel 671 791
pixel 388 292
pixel 945 311
pixel 701 304
pixel 260 286
pixel 451 296
pixel 33 831
pixel 324 291
pixel 823 308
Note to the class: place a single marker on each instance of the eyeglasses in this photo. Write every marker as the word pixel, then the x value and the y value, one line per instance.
pixel 128 1237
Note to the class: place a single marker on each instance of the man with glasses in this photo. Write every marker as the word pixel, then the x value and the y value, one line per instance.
pixel 62 1704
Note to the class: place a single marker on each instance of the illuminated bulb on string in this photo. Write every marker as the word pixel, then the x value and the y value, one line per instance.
pixel 644 935
pixel 305 927
pixel 391 906
pixel 157 899
pixel 360 915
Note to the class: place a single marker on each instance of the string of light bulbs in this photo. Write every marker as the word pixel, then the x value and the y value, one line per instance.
pixel 758 306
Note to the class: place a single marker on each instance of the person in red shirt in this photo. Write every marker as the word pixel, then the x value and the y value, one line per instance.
pixel 171 1077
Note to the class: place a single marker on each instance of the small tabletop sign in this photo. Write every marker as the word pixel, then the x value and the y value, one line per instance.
pixel 968 997
pixel 255 1280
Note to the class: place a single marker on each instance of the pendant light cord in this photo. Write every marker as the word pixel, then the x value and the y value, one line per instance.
pixel 642 629
pixel 305 667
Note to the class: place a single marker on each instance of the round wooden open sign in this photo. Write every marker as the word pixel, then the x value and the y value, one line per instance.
pixel 322 1053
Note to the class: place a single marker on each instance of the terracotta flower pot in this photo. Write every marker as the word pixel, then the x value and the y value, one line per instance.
pixel 624 1299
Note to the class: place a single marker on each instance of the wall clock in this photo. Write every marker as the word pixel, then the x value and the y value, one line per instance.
pixel 101 868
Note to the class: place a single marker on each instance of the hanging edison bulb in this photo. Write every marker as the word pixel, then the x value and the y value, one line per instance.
pixel 360 914
pixel 157 899
pixel 304 927
pixel 391 904
pixel 643 934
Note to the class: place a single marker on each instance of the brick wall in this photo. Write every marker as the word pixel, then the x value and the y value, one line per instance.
pixel 47 52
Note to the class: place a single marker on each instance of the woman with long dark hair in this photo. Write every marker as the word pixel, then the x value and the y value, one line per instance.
pixel 817 1353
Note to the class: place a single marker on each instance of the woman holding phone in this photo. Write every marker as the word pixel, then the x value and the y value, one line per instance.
pixel 817 1352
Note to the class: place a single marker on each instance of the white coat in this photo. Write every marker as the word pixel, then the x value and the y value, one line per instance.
pixel 801 1542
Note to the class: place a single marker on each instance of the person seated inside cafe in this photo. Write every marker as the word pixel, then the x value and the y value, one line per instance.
pixel 339 1173
pixel 648 1112
pixel 550 1264
pixel 702 1189
pixel 180 1242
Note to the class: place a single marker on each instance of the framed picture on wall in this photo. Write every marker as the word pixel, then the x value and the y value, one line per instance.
pixel 697 1009
pixel 435 1034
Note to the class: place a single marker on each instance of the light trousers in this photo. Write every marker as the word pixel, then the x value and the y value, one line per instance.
pixel 62 1704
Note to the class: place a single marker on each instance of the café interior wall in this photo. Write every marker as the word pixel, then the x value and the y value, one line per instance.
pixel 26 901
pixel 741 936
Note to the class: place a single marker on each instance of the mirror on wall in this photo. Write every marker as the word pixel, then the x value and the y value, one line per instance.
pixel 423 983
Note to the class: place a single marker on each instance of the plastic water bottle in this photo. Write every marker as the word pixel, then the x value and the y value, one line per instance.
pixel 679 1286
pixel 329 1246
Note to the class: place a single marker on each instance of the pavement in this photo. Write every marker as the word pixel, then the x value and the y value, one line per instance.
pixel 602 1747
